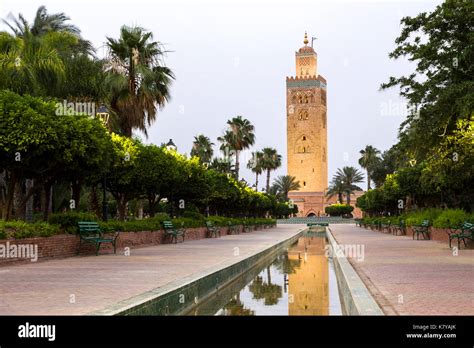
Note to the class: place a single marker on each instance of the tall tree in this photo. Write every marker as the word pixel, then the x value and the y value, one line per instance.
pixel 271 160
pixel 350 176
pixel 368 160
pixel 202 148
pixel 285 184
pixel 336 187
pixel 440 44
pixel 255 165
pixel 138 82
pixel 239 136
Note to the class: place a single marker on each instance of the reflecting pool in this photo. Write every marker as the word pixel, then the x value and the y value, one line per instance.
pixel 298 281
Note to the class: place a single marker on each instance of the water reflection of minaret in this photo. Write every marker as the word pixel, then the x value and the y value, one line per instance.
pixel 308 285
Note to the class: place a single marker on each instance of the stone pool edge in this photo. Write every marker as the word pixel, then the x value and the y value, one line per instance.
pixel 177 297
pixel 355 298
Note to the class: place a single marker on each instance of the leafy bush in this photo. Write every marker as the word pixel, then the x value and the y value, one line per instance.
pixel 338 209
pixel 451 217
pixel 68 221
pixel 22 229
pixel 416 218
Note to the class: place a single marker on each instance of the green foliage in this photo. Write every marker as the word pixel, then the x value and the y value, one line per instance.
pixel 20 229
pixel 68 221
pixel 451 218
pixel 338 209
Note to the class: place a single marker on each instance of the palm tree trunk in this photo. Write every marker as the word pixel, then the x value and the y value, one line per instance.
pixel 368 180
pixel 268 180
pixel 340 197
pixel 237 164
pixel 348 195
pixel 256 181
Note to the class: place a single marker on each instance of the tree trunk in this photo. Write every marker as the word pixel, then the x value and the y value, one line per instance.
pixel 368 180
pixel 19 213
pixel 29 203
pixel 9 203
pixel 237 165
pixel 348 195
pixel 268 180
pixel 122 207
pixel 339 195
pixel 256 181
pixel 94 202
pixel 45 200
pixel 76 192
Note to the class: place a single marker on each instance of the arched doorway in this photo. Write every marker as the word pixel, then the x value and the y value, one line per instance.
pixel 311 214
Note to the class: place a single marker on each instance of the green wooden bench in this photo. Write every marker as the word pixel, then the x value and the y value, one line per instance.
pixel 400 228
pixel 358 222
pixel 386 226
pixel 462 232
pixel 90 232
pixel 247 226
pixel 172 232
pixel 423 229
pixel 232 229
pixel 212 230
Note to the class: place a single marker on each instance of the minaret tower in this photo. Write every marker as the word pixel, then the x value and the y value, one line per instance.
pixel 307 132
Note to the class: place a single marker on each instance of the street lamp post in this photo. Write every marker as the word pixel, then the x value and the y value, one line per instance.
pixel 103 114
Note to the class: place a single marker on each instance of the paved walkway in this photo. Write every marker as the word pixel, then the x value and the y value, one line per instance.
pixel 412 277
pixel 80 285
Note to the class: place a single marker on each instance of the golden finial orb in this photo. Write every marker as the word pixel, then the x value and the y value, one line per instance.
pixel 305 38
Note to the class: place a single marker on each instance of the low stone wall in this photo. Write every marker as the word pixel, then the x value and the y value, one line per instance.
pixel 66 245
pixel 436 234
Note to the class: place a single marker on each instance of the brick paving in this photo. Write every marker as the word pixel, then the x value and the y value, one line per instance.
pixel 410 277
pixel 80 285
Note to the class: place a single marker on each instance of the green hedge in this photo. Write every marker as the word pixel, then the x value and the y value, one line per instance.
pixel 338 209
pixel 21 229
pixel 67 222
pixel 439 218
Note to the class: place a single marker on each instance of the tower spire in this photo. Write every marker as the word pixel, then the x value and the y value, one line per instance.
pixel 305 38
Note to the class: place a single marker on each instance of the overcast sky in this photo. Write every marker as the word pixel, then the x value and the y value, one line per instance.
pixel 232 58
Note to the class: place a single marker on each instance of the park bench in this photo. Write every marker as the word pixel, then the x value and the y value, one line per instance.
pixel 172 232
pixel 232 229
pixel 212 230
pixel 422 229
pixel 358 222
pixel 400 228
pixel 247 226
pixel 386 226
pixel 462 232
pixel 90 232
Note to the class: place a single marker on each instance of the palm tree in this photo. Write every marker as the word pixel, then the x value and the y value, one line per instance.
pixel 368 161
pixel 336 188
pixel 285 184
pixel 238 137
pixel 202 148
pixel 271 160
pixel 222 165
pixel 45 23
pixel 34 59
pixel 138 82
pixel 255 165
pixel 349 176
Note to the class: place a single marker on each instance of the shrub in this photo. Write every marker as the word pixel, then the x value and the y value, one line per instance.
pixel 22 229
pixel 416 218
pixel 68 221
pixel 338 209
pixel 450 218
